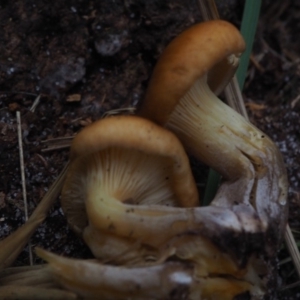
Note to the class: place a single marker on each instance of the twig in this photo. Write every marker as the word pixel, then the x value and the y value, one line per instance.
pixel 129 110
pixel 208 9
pixel 18 92
pixel 53 148
pixel 291 286
pixel 58 140
pixel 23 178
pixel 35 103
pixel 57 143
pixel 256 64
pixel 22 163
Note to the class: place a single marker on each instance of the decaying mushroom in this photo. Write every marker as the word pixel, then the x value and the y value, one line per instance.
pixel 221 251
pixel 123 159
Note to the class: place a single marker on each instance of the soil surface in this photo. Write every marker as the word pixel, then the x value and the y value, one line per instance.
pixel 81 59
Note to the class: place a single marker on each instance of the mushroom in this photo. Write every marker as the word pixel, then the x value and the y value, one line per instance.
pixel 222 250
pixel 200 237
pixel 121 227
pixel 122 159
pixel 179 98
pixel 171 280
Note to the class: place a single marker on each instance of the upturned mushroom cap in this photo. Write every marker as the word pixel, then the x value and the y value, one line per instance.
pixel 191 55
pixel 129 159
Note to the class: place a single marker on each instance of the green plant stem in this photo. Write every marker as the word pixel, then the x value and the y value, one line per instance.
pixel 213 181
pixel 248 29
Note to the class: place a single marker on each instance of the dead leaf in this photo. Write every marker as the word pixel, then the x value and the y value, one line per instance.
pixel 74 98
pixel 255 106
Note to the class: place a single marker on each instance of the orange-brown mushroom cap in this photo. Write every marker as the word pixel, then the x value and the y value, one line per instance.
pixel 188 57
pixel 131 132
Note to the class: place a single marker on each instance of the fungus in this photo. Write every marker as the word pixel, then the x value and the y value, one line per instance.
pixel 126 159
pixel 179 98
pixel 171 280
pixel 255 180
pixel 222 251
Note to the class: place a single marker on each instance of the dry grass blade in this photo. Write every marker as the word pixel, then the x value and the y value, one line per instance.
pixel 13 292
pixel 11 246
pixel 29 276
pixel 32 277
pixel 57 143
pixel 208 9
pixel 22 168
pixel 234 98
pixel 18 115
pixel 16 270
pixel 291 286
pixel 35 103
pixel 65 142
pixel 123 110
pixel 292 247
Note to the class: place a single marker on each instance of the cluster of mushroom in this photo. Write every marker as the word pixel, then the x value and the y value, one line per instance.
pixel 131 195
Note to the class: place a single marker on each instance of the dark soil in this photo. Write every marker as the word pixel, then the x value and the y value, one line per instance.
pixel 84 58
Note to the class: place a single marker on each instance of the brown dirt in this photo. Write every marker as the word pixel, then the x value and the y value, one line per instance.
pixel 102 55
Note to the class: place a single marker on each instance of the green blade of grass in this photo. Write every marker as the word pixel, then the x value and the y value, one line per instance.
pixel 248 29
pixel 213 181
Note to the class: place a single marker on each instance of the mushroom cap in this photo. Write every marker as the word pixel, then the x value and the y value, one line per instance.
pixel 131 133
pixel 188 57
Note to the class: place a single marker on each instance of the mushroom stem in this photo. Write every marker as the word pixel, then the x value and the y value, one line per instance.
pixel 240 152
pixel 155 225
pixel 208 127
pixel 174 280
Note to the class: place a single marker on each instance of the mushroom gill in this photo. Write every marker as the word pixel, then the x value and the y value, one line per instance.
pixel 123 160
